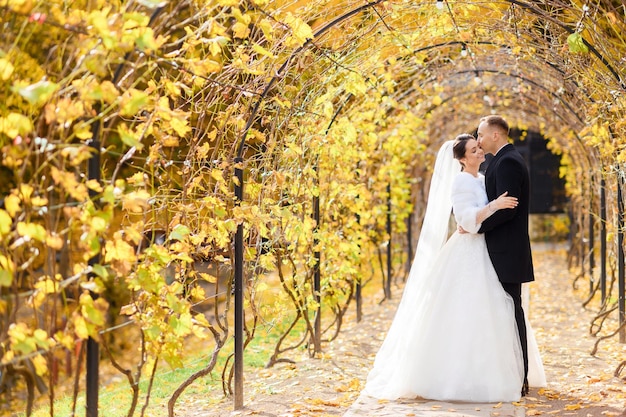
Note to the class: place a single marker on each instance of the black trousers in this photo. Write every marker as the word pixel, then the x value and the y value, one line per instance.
pixel 515 291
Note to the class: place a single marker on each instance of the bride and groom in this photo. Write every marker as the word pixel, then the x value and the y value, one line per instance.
pixel 460 332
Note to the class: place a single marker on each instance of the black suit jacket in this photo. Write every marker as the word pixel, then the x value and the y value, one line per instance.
pixel 506 231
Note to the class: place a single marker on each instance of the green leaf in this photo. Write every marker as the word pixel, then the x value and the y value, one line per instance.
pixel 6 278
pixel 180 232
pixel 90 311
pixel 37 93
pixel 129 137
pixel 133 101
pixel 576 43
pixel 100 271
pixel 181 326
pixel 152 4
pixel 145 41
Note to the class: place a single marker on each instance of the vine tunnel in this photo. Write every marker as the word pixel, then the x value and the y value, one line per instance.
pixel 538 75
pixel 233 119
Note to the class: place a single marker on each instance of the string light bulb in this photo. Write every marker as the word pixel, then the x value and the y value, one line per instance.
pixel 439 4
pixel 463 51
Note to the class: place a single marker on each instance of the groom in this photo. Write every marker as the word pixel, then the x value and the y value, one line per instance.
pixel 506 231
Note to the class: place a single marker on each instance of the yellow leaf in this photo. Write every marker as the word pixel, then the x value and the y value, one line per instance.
pixel 180 126
pixel 26 190
pixel 66 340
pixel 32 231
pixel 355 84
pixel 39 201
pixel 6 69
pixel 202 151
pixel 55 242
pixel 119 250
pixel 68 181
pixel 208 277
pixel 15 124
pixel 128 310
pixel 80 327
pixel 437 100
pixel 6 263
pixel 267 28
pixel 241 30
pixel 173 89
pixel 21 341
pixel 6 277
pixel 64 111
pixel 41 367
pixel 300 31
pixel 82 130
pixel 262 51
pixel 5 223
pixel 217 175
pixel 169 141
pixel 19 6
pixel 136 201
pixel 92 91
pixel 204 67
pixel 94 185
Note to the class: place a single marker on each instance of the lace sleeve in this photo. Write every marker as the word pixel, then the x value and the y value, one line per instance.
pixel 465 205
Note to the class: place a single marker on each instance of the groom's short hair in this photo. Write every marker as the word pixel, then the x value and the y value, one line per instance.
pixel 495 120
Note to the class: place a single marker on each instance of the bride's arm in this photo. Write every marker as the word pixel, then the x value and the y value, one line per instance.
pixel 465 205
pixel 502 202
pixel 469 213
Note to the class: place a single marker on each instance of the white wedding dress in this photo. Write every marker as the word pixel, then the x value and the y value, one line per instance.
pixel 454 335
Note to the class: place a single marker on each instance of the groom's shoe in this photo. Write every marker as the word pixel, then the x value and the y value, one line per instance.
pixel 525 388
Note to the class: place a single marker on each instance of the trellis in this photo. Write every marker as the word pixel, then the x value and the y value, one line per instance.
pixel 555 67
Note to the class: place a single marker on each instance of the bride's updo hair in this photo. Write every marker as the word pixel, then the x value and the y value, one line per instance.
pixel 458 148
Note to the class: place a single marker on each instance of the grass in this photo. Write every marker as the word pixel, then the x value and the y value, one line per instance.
pixel 115 398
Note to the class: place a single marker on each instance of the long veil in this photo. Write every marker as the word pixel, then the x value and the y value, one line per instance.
pixel 433 236
pixel 434 231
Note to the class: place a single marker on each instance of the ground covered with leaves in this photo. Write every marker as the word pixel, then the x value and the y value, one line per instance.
pixel 579 384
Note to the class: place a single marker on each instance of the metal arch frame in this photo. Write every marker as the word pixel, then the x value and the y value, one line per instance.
pixel 353 12
pixel 504 46
pixel 239 168
pixel 285 64
pixel 571 31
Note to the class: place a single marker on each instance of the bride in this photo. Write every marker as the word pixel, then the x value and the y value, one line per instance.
pixel 454 335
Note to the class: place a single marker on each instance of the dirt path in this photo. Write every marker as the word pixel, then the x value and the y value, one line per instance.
pixel 579 385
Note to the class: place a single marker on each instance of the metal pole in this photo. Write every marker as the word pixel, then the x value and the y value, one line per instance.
pixel 358 293
pixel 620 258
pixel 603 239
pixel 317 344
pixel 388 282
pixel 582 240
pixel 591 233
pixel 239 291
pixel 93 349
pixel 409 243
